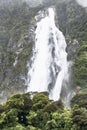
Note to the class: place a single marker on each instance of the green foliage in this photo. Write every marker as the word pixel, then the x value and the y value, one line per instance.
pixel 15 101
pixel 2 108
pixel 60 121
pixel 15 42
pixel 83 47
pixel 19 101
pixel 31 117
pixel 79 117
pixel 72 20
pixel 51 125
pixel 54 106
pixel 39 113
pixel 17 127
pixel 40 101
pixel 32 128
pixel 80 66
pixel 22 104
pixel 80 99
pixel 38 119
pixel 9 118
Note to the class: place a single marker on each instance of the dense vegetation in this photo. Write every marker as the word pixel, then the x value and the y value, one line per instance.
pixel 20 112
pixel 39 113
pixel 16 41
pixel 73 23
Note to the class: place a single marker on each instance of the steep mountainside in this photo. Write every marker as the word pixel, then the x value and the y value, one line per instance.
pixel 16 38
pixel 17 25
pixel 72 19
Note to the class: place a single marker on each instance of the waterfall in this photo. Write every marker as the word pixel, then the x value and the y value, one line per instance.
pixel 49 68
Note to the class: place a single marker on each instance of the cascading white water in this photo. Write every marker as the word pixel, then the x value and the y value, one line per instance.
pixel 49 69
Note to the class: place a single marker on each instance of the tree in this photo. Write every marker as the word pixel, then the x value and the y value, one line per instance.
pixel 40 100
pixel 79 117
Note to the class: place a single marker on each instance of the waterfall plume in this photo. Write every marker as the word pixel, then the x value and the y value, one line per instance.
pixel 49 68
